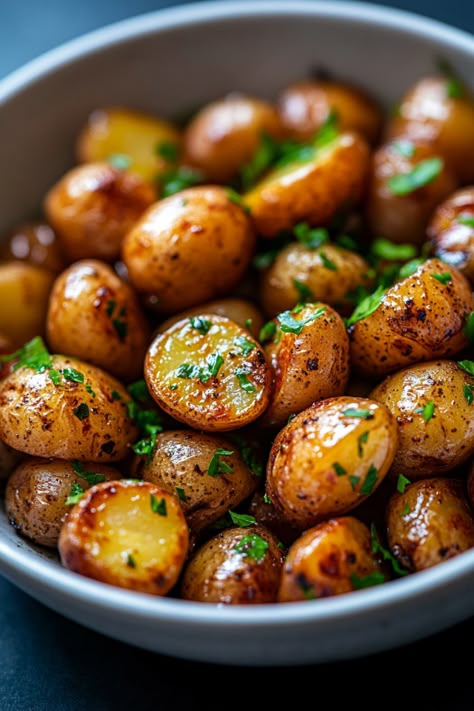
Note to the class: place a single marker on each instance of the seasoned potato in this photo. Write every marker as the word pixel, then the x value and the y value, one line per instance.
pixel 9 458
pixel 145 144
pixel 238 566
pixel 93 206
pixel 224 135
pixel 312 189
pixel 126 533
pixel 40 493
pixel 206 472
pixel 430 112
pixel 24 294
pixel 243 312
pixel 35 243
pixel 429 522
pixel 188 248
pixel 329 458
pixel 65 408
pixel 420 318
pixel 432 403
pixel 95 316
pixel 305 105
pixel 264 513
pixel 309 358
pixel 451 231
pixel 332 558
pixel 407 181
pixel 210 374
pixel 329 273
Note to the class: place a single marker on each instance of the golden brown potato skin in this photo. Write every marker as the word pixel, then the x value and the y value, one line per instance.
pixel 242 311
pixel 66 421
pixel 418 319
pixel 328 560
pixel 308 366
pixel 277 288
pixel 218 573
pixel 324 462
pixel 312 191
pixel 134 135
pixel 181 459
pixel 446 440
pixel 189 248
pixel 403 218
pixel 95 316
pixel 224 135
pixel 451 239
pixel 427 113
pixel 114 535
pixel 305 105
pixel 35 243
pixel 219 403
pixel 93 206
pixel 36 494
pixel 24 294
pixel 429 523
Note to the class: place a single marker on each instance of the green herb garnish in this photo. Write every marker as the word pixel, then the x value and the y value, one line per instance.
pixel 200 324
pixel 468 329
pixel 304 292
pixel 158 507
pixel 377 547
pixel 405 510
pixel 367 581
pixel 422 174
pixel 288 324
pixel 168 151
pixel 181 494
pixel 242 520
pixel 384 249
pixel 404 147
pixel 32 355
pixel 82 411
pixel 174 181
pixel 75 495
pixel 327 263
pixel 369 481
pixel 310 237
pixel 266 153
pixel 268 331
pixel 131 561
pixel 92 478
pixel 214 363
pixel 363 414
pixel 360 441
pixel 246 346
pixel 467 365
pixel 74 376
pixel 339 469
pixel 367 306
pixel 468 391
pixel 427 411
pixel 443 278
pixel 467 220
pixel 252 546
pixel 244 382
pixel 402 483
pixel 216 466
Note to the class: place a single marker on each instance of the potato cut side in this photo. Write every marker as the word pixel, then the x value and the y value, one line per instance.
pixel 141 143
pixel 127 533
pixel 209 373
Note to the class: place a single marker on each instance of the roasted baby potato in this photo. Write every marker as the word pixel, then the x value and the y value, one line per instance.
pixel 225 134
pixel 208 373
pixel 188 248
pixel 9 458
pixel 40 493
pixel 309 358
pixel 35 243
pixel 243 312
pixel 53 406
pixel 238 566
pixel 126 533
pixel 429 522
pixel 328 273
pixel 93 206
pixel 206 472
pixel 439 111
pixel 329 458
pixel 451 231
pixel 95 316
pixel 24 294
pixel 420 318
pixel 306 105
pixel 332 558
pixel 407 181
pixel 432 403
pixel 311 189
pixel 145 144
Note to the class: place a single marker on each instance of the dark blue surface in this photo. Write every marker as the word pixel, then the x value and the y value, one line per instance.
pixel 49 663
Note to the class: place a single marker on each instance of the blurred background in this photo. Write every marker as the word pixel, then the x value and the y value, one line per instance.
pixel 30 27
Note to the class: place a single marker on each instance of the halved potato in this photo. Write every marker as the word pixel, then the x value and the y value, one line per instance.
pixel 310 190
pixel 209 373
pixel 126 533
pixel 146 144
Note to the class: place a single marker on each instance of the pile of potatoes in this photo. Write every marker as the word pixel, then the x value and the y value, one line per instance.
pixel 236 354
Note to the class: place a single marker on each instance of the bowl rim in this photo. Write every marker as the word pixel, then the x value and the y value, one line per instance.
pixel 19 563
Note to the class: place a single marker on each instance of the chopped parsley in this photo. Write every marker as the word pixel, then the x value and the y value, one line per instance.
pixel 214 363
pixel 304 292
pixel 421 174
pixel 91 392
pixel 340 471
pixel 266 153
pixel 74 376
pixel 114 394
pixel 168 150
pixel 92 478
pixel 363 414
pixel 173 181
pixel 148 421
pixel 246 346
pixel 404 147
pixel 249 454
pixel 291 417
pixel 75 495
pixel 405 510
pixel 120 161
pixel 362 439
pixel 468 391
pixel 369 481
pixel 248 324
pixel 237 199
pixel 252 546
pixel 110 308
pixel 118 322
pixel 384 249
pixel 267 499
pixel 289 324
pixel 244 382
pixel 310 237
pixel 268 331
pixel 367 581
pixel 410 267
pixel 327 263
pixel 242 520
pixel 377 547
pixel 402 483
pixel 217 466
pixel 55 376
pixel 138 390
pixel 200 324
pixel 467 220
pixel 443 278
pixel 467 365
pixel 468 329
pixel 82 411
pixel 427 411
pixel 158 507
pixel 367 306
pixel 181 494
pixel 354 480
pixel 131 561
pixel 32 355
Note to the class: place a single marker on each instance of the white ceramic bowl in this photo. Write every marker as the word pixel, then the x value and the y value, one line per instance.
pixel 168 62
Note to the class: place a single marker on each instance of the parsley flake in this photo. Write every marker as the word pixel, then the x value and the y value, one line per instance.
pixel 200 324
pixel 360 441
pixel 114 394
pixel 168 151
pixel 242 520
pixel 82 411
pixel 174 181
pixel 327 262
pixel 75 495
pixel 377 547
pixel 268 331
pixel 421 174
pixel 55 376
pixel 246 346
pixel 181 494
pixel 289 324
pixel 310 237
pixel 216 466
pixel 406 510
pixel 369 481
pixel 468 392
pixel 131 561
pixel 467 220
pixel 354 480
pixel 367 306
pixel 384 249
pixel 467 365
pixel 266 153
pixel 404 147
pixel 92 478
pixel 304 292
pixel 427 411
pixel 402 483
pixel 32 355
pixel 158 507
pixel 74 376
pixel 244 382
pixel 252 546
pixel 214 362
pixel 468 329
pixel 267 499
pixel 367 581
pixel 443 278
pixel 249 454
pixel 339 469
pixel 355 412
